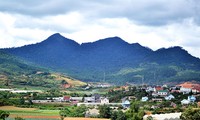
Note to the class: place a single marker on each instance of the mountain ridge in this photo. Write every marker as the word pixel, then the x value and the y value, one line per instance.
pixel 88 61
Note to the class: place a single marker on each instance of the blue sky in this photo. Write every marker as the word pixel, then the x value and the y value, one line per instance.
pixel 152 23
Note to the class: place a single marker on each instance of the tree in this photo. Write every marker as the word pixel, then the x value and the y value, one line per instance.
pixel 134 113
pixel 79 111
pixel 118 115
pixel 190 114
pixel 74 112
pixel 104 111
pixel 4 114
pixel 30 102
pixel 64 113
pixel 21 101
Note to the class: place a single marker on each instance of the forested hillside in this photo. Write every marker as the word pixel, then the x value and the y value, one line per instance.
pixel 111 59
pixel 17 73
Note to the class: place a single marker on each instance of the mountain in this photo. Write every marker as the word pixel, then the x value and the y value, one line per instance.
pixel 15 73
pixel 111 59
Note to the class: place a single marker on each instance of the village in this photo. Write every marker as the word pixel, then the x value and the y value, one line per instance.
pixel 154 99
pixel 157 93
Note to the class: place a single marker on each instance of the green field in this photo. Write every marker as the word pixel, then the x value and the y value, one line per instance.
pixel 31 113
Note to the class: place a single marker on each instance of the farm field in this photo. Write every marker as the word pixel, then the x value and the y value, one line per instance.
pixel 36 114
pixel 31 113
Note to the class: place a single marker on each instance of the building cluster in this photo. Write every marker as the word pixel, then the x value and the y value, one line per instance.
pixel 96 98
pixel 160 93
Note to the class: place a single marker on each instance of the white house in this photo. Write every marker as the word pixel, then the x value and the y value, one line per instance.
pixel 150 89
pixel 185 90
pixel 192 98
pixel 104 100
pixel 162 92
pixel 76 98
pixel 58 99
pixel 155 94
pixel 126 104
pixel 185 102
pixel 89 99
pixel 169 97
pixel 144 99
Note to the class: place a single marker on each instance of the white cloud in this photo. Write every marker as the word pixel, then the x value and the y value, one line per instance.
pixel 154 23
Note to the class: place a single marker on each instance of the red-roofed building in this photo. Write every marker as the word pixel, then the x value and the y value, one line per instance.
pixel 188 87
pixel 158 88
pixel 66 98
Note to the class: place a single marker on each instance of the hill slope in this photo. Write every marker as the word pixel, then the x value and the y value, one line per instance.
pixel 111 59
pixel 16 73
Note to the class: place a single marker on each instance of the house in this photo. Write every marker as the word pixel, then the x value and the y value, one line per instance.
pixel 124 99
pixel 188 87
pixel 175 91
pixel 58 99
pixel 157 99
pixel 185 90
pixel 196 89
pixel 126 104
pixel 150 89
pixel 76 99
pixel 191 98
pixel 158 88
pixel 42 101
pixel 144 99
pixel 97 97
pixel 165 86
pixel 154 94
pixel 66 98
pixel 185 102
pixel 89 99
pixel 163 92
pixel 169 97
pixel 104 100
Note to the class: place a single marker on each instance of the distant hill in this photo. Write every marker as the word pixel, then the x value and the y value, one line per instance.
pixel 112 60
pixel 15 73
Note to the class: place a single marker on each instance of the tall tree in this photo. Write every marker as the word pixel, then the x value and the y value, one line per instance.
pixel 118 115
pixel 105 111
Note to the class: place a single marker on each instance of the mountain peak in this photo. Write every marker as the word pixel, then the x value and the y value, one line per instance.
pixel 58 38
pixel 112 40
pixel 55 36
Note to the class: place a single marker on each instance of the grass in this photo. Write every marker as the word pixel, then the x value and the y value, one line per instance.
pixel 31 113
pixel 69 80
pixel 36 114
